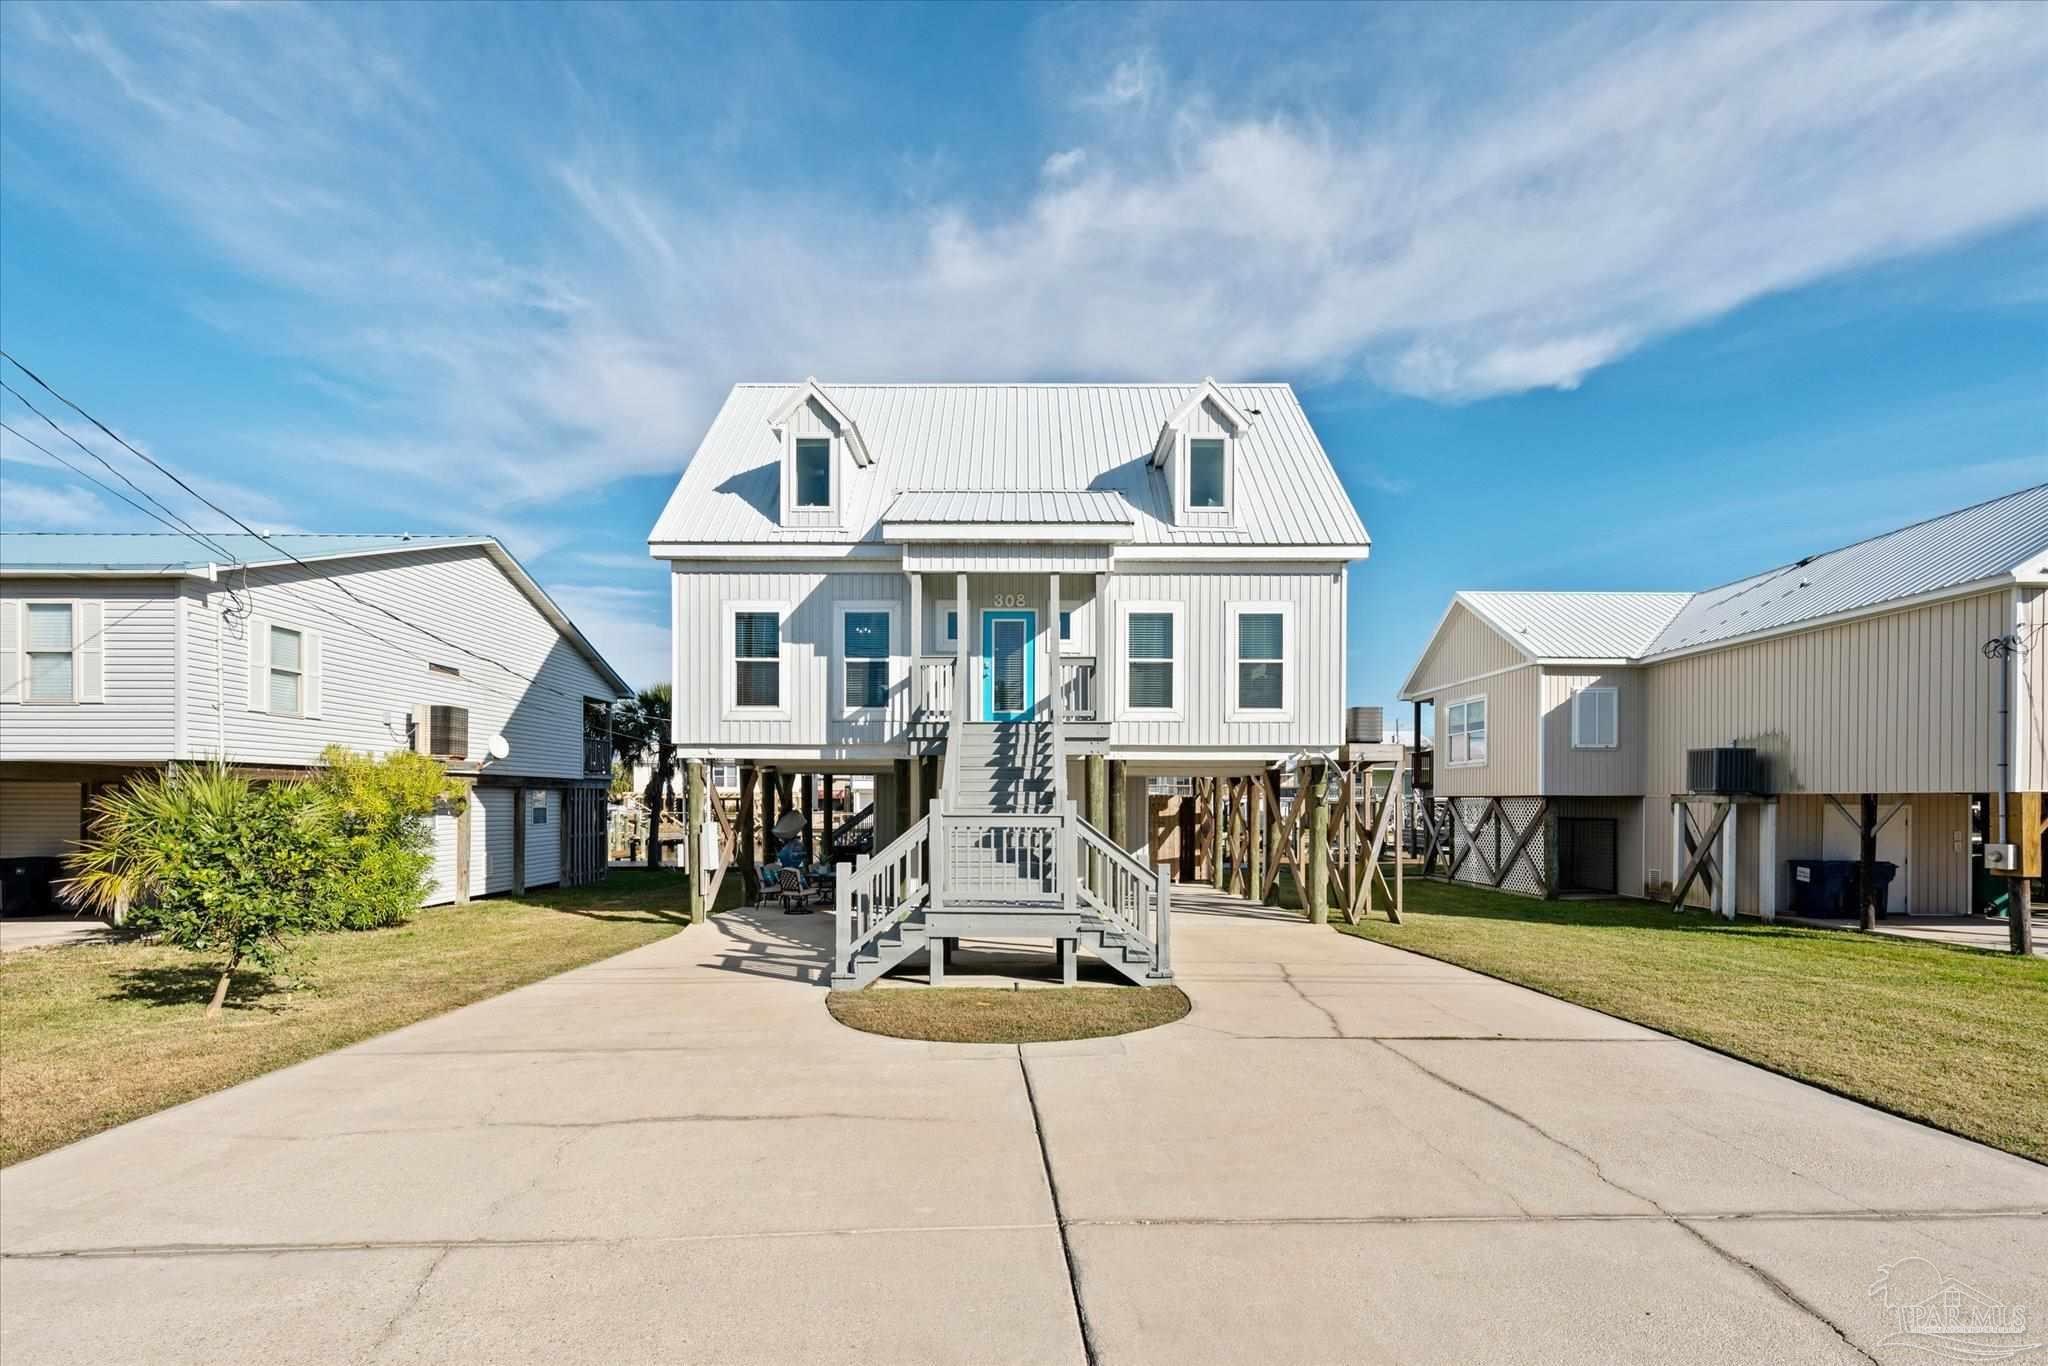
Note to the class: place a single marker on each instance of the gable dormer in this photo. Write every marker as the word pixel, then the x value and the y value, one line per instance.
pixel 821 446
pixel 1197 447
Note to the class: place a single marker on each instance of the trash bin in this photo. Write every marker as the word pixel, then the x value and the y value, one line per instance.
pixel 1827 888
pixel 1809 879
pixel 1882 874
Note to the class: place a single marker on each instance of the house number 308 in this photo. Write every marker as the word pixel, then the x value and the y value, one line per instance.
pixel 1009 599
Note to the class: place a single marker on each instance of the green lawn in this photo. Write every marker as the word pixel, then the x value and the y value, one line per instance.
pixel 1952 1037
pixel 95 1035
pixel 1005 1014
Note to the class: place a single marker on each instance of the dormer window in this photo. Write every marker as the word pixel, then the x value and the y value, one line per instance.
pixel 821 447
pixel 813 472
pixel 1207 475
pixel 1197 448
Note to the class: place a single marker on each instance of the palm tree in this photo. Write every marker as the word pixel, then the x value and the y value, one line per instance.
pixel 643 725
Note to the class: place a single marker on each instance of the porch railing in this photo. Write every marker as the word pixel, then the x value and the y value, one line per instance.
pixel 597 754
pixel 1078 693
pixel 935 682
pixel 1123 891
pixel 880 892
pixel 1011 860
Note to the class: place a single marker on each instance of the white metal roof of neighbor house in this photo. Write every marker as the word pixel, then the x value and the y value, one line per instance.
pixel 1008 437
pixel 1576 625
pixel 1985 542
pixel 76 554
pixel 1041 507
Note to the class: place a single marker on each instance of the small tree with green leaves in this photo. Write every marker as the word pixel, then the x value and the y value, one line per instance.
pixel 211 861
pixel 642 729
pixel 380 812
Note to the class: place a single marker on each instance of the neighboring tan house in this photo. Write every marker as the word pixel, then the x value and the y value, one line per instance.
pixel 124 653
pixel 1857 671
pixel 999 599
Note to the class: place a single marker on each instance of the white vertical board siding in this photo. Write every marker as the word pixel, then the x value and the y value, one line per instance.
pixel 544 842
pixel 1592 772
pixel 39 820
pixel 375 670
pixel 490 835
pixel 137 659
pixel 1208 657
pixel 810 654
pixel 1903 702
pixel 2031 710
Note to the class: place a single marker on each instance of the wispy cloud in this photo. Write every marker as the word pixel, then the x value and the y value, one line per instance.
pixel 1618 181
pixel 38 507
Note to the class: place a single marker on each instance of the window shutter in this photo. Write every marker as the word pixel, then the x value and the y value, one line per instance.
pixel 309 689
pixel 11 667
pixel 259 663
pixel 92 651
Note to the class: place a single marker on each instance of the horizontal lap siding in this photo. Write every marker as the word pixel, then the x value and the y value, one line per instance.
pixel 490 842
pixel 376 670
pixel 1208 658
pixel 1900 703
pixel 139 652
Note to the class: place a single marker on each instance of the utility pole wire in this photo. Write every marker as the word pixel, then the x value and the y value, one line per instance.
pixel 336 584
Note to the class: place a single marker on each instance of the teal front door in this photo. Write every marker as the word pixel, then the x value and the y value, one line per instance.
pixel 1009 677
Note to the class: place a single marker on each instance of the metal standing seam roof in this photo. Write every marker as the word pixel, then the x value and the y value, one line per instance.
pixel 990 438
pixel 1971 545
pixel 1577 625
pixel 167 552
pixel 1043 507
pixel 24 553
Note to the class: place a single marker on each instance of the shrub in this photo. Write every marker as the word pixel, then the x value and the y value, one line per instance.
pixel 380 813
pixel 212 862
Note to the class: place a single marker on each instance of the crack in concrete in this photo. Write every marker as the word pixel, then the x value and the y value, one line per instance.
pixel 1287 976
pixel 1778 1287
pixel 1052 1191
pixel 585 1124
pixel 144 1251
pixel 412 1301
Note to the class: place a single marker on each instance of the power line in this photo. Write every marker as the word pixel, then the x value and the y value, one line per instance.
pixel 340 587
pixel 91 478
pixel 169 518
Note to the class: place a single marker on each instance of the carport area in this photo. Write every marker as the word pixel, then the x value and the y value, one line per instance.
pixel 1345 1153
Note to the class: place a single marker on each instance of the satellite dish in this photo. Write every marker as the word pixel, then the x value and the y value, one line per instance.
pixel 499 747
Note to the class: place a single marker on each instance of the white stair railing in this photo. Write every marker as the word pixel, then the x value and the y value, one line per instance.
pixel 1133 898
pixel 879 892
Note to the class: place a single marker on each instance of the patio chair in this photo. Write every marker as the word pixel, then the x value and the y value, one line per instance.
pixel 796 895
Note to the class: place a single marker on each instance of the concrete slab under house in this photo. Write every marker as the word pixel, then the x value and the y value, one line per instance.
pixel 1014 607
pixel 1749 747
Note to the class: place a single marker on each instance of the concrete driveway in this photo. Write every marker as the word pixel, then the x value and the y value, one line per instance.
pixel 1345 1154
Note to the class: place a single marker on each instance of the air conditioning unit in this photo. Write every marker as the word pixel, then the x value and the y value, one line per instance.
pixel 1725 772
pixel 1364 725
pixel 441 731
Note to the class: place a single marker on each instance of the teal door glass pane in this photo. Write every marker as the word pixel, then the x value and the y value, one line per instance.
pixel 1007 664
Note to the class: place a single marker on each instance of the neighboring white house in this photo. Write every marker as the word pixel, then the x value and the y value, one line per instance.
pixel 1862 670
pixel 1010 596
pixel 121 653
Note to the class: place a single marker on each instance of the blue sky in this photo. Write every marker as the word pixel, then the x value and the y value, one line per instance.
pixel 1577 297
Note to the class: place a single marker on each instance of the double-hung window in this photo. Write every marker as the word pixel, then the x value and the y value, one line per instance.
pixel 1259 634
pixel 757 658
pixel 1595 719
pixel 52 641
pixel 864 655
pixel 287 672
pixel 1465 731
pixel 813 473
pixel 1152 642
pixel 537 803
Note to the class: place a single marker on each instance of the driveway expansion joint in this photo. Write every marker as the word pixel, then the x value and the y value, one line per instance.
pixel 1052 1191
